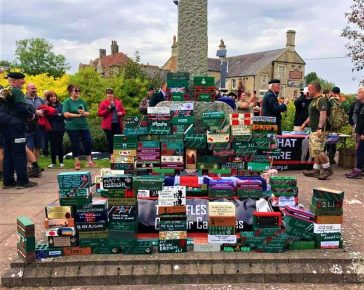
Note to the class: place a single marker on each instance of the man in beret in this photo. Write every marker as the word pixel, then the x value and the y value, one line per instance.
pixel 270 105
pixel 144 103
pixel 15 160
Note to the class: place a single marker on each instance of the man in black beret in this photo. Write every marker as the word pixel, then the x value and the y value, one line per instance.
pixel 270 105
pixel 15 160
pixel 16 75
pixel 144 103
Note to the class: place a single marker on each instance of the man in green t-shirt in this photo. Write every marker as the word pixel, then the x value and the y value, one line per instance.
pixel 15 160
pixel 317 120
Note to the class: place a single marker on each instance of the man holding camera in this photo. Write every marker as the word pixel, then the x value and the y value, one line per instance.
pixel 111 110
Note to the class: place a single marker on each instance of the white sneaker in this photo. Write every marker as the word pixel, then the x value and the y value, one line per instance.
pixel 61 165
pixel 51 165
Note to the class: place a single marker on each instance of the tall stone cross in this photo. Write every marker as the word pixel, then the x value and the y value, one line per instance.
pixel 192 37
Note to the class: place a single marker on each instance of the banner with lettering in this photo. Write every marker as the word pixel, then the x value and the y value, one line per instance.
pixel 294 154
pixel 197 214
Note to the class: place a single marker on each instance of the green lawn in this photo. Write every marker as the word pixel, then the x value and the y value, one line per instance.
pixel 45 161
pixel 68 163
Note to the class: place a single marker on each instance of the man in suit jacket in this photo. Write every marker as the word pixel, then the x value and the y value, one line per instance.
pixel 160 96
pixel 271 107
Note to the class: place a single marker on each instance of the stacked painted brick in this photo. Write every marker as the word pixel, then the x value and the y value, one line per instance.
pixel 124 153
pixel 26 239
pixel 122 209
pixel 267 234
pixel 299 225
pixel 284 190
pixel 177 84
pixel 327 206
pixel 204 88
pixel 173 220
pixel 222 223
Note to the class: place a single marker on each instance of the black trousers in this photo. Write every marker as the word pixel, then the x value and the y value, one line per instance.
pixel 15 159
pixel 56 141
pixel 109 134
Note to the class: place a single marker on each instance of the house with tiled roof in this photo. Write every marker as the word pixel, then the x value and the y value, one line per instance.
pixel 251 72
pixel 107 64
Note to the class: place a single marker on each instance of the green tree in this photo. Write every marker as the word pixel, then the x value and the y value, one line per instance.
pixel 5 63
pixel 354 32
pixel 35 56
pixel 312 76
pixel 325 84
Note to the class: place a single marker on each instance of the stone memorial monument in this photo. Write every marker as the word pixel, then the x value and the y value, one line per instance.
pixel 192 37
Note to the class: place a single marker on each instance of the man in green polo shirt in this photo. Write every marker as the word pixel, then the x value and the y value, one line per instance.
pixel 317 120
pixel 15 160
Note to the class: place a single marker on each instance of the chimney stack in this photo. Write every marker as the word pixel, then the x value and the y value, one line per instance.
pixel 114 47
pixel 174 46
pixel 291 35
pixel 102 52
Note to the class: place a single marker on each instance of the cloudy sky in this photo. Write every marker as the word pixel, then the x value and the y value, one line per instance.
pixel 78 28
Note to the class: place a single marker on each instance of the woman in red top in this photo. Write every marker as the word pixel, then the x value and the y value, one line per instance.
pixel 111 110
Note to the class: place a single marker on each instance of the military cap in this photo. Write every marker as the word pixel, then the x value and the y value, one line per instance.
pixel 336 90
pixel 274 81
pixel 15 75
pixel 150 88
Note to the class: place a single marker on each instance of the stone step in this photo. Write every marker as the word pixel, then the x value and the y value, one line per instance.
pixel 199 268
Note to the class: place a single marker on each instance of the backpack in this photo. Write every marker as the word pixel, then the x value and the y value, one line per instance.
pixel 337 117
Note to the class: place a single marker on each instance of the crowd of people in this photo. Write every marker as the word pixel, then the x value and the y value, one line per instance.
pixel 34 121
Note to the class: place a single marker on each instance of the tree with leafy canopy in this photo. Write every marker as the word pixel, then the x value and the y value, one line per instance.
pixel 354 32
pixel 35 56
pixel 5 63
pixel 325 84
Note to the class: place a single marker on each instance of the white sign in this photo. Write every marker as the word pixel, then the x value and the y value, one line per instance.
pixel 286 201
pixel 217 138
pixel 172 202
pixel 143 193
pixel 173 159
pixel 222 239
pixel 175 106
pixel 238 130
pixel 329 244
pixel 159 110
pixel 326 228
pixel 221 209
pixel 172 192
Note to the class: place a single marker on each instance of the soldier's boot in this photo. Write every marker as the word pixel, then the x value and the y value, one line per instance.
pixel 326 173
pixel 312 173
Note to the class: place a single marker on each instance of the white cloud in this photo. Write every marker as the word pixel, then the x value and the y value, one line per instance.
pixel 78 28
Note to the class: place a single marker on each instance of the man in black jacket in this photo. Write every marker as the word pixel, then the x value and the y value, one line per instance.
pixel 301 104
pixel 160 96
pixel 15 160
pixel 271 107
pixel 358 121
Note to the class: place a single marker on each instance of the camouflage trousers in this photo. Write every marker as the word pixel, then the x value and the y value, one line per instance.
pixel 317 143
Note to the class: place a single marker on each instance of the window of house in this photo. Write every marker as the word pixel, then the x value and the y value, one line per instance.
pixel 233 84
pixel 281 72
pixel 282 93
pixel 264 79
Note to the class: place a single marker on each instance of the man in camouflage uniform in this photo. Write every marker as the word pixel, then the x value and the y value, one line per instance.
pixel 317 120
